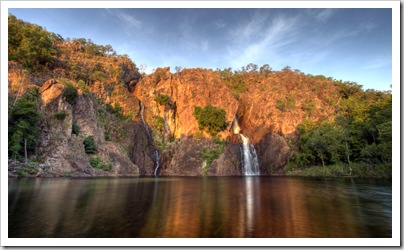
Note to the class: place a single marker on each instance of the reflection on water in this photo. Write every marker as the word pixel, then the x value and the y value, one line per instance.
pixel 199 207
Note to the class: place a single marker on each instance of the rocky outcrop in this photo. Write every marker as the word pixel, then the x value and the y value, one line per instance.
pixel 186 90
pixel 63 150
pixel 271 109
pixel 273 152
pixel 142 150
pixel 180 130
pixel 184 158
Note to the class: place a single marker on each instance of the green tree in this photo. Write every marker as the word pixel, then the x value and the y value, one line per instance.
pixel 236 82
pixel 162 99
pixel 23 124
pixel 30 44
pixel 326 143
pixel 75 129
pixel 265 70
pixel 98 76
pixel 89 144
pixel 70 93
pixel 159 123
pixel 61 115
pixel 211 119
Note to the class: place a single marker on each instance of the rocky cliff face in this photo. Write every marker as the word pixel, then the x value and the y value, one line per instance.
pixel 180 140
pixel 186 90
pixel 64 151
pixel 138 122
pixel 273 106
pixel 268 113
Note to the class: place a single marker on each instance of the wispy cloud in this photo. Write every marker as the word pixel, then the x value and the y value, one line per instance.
pixel 219 24
pixel 130 20
pixel 367 26
pixel 251 29
pixel 377 64
pixel 191 39
pixel 126 19
pixel 204 46
pixel 324 15
pixel 263 37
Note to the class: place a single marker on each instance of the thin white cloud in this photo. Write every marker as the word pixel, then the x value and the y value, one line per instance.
pixel 263 39
pixel 129 20
pixel 126 19
pixel 377 64
pixel 190 38
pixel 367 26
pixel 324 15
pixel 219 24
pixel 251 29
pixel 204 46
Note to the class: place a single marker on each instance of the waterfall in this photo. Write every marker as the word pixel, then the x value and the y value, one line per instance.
pixel 250 159
pixel 236 128
pixel 157 161
pixel 155 153
pixel 143 121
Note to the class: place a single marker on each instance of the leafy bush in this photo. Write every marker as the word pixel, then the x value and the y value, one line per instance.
pixel 116 109
pixel 159 123
pixel 237 84
pixel 83 86
pixel 285 104
pixel 209 155
pixel 70 93
pixel 89 144
pixel 211 119
pixel 98 76
pixel 27 171
pixel 280 104
pixel 162 99
pixel 107 135
pixel 309 107
pixel 360 170
pixel 75 129
pixel 96 162
pixel 61 115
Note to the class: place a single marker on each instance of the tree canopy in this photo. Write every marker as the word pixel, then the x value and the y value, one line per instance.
pixel 211 119
pixel 23 125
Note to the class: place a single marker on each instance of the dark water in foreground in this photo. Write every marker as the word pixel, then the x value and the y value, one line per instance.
pixel 199 207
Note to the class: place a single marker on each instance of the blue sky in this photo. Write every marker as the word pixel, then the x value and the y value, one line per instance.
pixel 347 44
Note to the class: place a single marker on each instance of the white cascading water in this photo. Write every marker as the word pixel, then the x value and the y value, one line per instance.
pixel 157 161
pixel 250 159
pixel 156 155
pixel 144 123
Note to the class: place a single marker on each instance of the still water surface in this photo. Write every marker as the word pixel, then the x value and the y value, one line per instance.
pixel 199 207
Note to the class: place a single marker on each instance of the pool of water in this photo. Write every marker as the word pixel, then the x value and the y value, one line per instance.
pixel 199 207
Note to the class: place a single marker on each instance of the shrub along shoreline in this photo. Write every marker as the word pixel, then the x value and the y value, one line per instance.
pixel 356 170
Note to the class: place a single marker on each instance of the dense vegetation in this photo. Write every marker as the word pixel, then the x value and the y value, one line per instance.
pixel 89 144
pixel 360 133
pixel 30 44
pixel 162 99
pixel 211 119
pixel 23 125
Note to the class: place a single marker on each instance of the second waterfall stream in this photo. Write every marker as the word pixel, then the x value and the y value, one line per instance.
pixel 250 159
pixel 155 153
